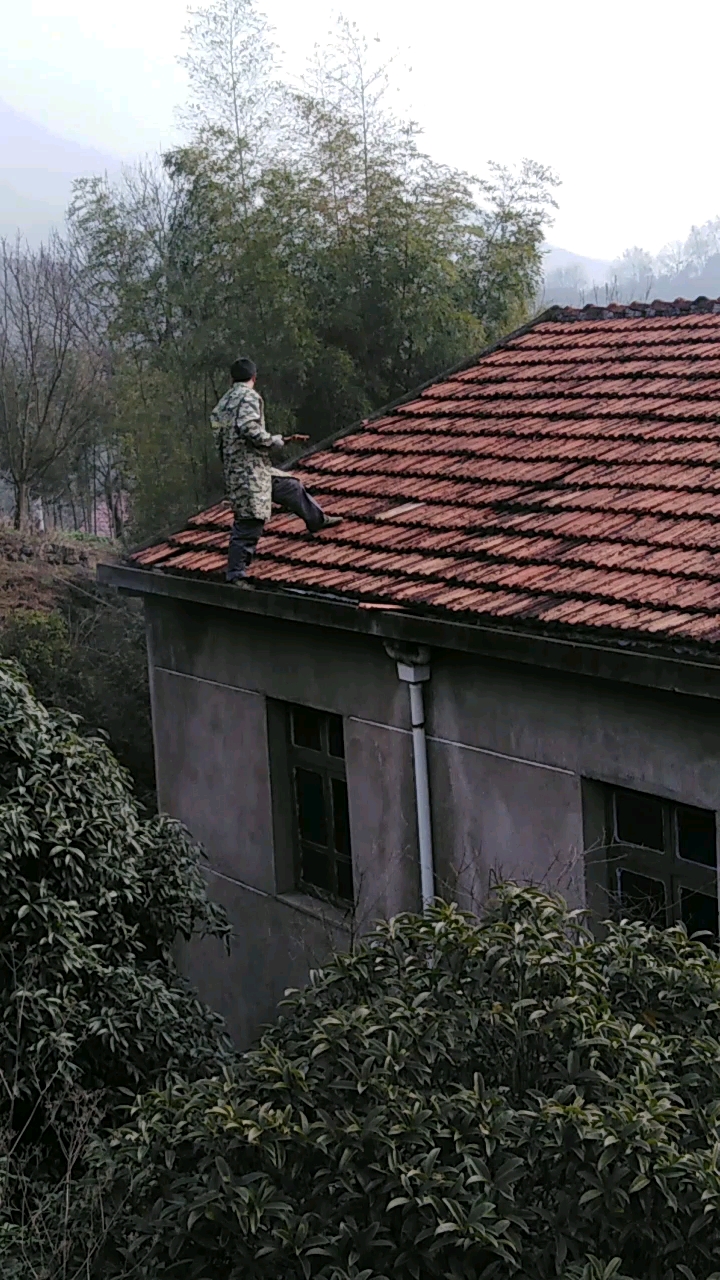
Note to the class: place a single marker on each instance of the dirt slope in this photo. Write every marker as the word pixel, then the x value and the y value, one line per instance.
pixel 35 568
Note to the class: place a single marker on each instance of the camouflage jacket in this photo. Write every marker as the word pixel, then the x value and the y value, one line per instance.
pixel 238 423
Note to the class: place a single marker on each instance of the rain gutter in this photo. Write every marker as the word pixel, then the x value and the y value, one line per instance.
pixel 607 657
pixel 413 668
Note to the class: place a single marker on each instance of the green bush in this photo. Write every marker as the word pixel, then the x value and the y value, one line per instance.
pixel 89 657
pixel 92 1009
pixel 41 642
pixel 457 1099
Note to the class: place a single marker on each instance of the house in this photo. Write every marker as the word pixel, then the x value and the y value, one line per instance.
pixel 504 662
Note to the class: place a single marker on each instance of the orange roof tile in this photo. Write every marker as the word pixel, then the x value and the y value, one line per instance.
pixel 568 478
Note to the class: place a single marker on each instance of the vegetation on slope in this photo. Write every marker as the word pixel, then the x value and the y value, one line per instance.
pixel 82 646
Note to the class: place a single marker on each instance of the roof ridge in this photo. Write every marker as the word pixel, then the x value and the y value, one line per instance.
pixel 409 396
pixel 636 310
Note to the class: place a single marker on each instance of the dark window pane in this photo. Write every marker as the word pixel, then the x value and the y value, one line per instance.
pixel 699 912
pixel 310 794
pixel 316 868
pixel 345 880
pixel 696 835
pixel 306 727
pixel 341 818
pixel 639 820
pixel 642 898
pixel 336 741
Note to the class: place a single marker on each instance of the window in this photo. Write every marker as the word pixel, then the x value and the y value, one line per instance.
pixel 655 860
pixel 321 823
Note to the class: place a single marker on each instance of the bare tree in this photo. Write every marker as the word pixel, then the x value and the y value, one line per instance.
pixel 51 365
pixel 633 276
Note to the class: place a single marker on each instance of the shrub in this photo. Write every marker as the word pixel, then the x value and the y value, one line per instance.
pixel 92 900
pixel 41 642
pixel 88 657
pixel 456 1099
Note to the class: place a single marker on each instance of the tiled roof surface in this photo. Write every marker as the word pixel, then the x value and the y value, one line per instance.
pixel 568 478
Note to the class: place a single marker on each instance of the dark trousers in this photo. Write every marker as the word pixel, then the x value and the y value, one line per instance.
pixel 245 534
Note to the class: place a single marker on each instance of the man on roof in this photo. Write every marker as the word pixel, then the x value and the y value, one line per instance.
pixel 252 484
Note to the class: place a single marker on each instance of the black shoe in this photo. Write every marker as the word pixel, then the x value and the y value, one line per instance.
pixel 240 582
pixel 328 523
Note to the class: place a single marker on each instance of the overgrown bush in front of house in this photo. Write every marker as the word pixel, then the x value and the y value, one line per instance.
pixel 457 1099
pixel 92 1008
pixel 88 656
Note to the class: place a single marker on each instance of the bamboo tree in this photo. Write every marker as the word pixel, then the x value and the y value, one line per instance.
pixel 231 66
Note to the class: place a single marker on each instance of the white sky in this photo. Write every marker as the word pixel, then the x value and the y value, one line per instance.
pixel 619 96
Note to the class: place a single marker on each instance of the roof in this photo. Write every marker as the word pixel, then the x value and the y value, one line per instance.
pixel 567 478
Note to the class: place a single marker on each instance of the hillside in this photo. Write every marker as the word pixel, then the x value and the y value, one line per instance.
pixel 35 569
pixel 82 646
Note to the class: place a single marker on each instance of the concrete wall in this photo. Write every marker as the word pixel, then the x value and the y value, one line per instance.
pixel 508 747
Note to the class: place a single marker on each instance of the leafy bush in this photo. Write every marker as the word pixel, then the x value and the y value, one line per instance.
pixel 88 657
pixel 92 900
pixel 41 642
pixel 456 1099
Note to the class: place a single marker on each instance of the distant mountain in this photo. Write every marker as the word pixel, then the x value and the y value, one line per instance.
pixel 37 169
pixel 572 280
pixel 557 259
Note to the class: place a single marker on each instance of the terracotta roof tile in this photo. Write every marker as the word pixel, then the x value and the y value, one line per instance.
pixel 569 478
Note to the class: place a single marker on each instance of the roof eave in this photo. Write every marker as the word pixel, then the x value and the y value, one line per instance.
pixel 610 657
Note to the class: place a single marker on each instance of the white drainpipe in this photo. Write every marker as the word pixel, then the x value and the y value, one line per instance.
pixel 413 668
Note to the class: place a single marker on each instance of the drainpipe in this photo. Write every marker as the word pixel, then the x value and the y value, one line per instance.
pixel 413 668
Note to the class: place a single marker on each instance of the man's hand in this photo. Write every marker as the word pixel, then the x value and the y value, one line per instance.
pixel 296 439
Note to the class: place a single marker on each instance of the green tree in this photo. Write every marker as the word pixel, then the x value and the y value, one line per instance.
pixel 508 1097
pixel 149 294
pixel 235 96
pixel 305 226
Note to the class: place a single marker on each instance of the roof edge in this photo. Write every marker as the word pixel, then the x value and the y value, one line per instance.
pixel 619 662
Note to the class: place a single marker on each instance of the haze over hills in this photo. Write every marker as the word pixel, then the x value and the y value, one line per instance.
pixel 37 168
pixel 557 259
pixel 685 270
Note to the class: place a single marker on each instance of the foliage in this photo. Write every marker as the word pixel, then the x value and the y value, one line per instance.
pixel 92 901
pixel 42 643
pixel 233 93
pixel 89 657
pixel 454 1099
pixel 302 224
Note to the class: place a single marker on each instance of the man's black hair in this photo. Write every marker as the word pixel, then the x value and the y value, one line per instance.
pixel 243 370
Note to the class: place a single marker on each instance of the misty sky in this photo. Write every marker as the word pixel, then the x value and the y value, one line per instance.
pixel 619 97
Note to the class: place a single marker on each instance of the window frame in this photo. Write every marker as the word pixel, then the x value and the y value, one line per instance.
pixel 607 855
pixel 331 768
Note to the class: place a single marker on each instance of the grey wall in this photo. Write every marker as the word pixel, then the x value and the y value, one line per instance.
pixel 508 747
